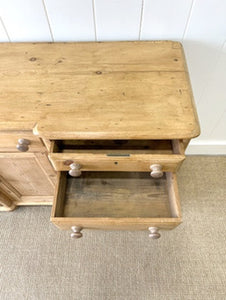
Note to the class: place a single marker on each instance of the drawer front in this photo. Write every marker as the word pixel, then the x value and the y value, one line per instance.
pixel 9 141
pixel 117 155
pixel 105 162
pixel 116 201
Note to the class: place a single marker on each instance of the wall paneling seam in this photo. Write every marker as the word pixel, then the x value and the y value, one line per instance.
pixel 222 115
pixel 141 19
pixel 4 27
pixel 217 123
pixel 188 19
pixel 209 79
pixel 48 21
pixel 94 19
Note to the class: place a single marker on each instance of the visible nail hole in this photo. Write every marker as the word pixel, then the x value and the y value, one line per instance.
pixel 175 59
pixel 33 59
pixel 68 162
pixel 116 162
pixel 98 72
pixel 48 104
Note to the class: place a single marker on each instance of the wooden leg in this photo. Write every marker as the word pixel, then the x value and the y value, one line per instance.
pixel 6 203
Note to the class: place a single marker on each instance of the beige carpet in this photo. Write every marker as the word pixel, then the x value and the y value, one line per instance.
pixel 38 261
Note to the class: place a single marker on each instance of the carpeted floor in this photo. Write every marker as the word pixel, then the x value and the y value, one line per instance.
pixel 38 261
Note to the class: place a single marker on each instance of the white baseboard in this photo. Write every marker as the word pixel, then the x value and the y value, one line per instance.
pixel 210 147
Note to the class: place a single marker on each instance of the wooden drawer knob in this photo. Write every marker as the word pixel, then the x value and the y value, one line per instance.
pixel 76 234
pixel 156 171
pixel 154 233
pixel 23 145
pixel 75 170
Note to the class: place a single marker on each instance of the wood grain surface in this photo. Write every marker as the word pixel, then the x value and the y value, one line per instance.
pixel 107 194
pixel 97 90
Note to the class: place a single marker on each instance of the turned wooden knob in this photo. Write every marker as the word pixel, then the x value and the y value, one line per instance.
pixel 76 234
pixel 154 233
pixel 75 170
pixel 23 145
pixel 156 171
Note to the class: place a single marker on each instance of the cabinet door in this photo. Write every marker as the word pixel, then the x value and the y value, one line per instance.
pixel 30 175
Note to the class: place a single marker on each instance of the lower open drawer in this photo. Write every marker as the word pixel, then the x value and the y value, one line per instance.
pixel 116 201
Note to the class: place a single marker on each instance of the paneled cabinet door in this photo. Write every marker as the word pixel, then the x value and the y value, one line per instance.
pixel 26 179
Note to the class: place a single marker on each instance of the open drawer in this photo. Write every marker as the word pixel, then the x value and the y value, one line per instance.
pixel 117 155
pixel 116 201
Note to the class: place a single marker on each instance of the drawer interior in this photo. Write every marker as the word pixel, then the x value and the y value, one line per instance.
pixel 117 155
pixel 116 195
pixel 130 146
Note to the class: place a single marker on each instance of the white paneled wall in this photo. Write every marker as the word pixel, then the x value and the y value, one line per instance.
pixel 71 20
pixel 199 24
pixel 117 19
pixel 204 37
pixel 204 42
pixel 25 20
pixel 165 19
pixel 212 103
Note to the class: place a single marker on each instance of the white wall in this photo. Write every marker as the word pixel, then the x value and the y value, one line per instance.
pixel 199 24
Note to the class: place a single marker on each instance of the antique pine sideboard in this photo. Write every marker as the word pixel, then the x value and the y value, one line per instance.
pixel 105 125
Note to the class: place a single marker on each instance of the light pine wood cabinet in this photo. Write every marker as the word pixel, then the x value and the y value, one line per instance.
pixel 26 178
pixel 114 119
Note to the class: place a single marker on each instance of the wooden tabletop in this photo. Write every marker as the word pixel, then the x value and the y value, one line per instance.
pixel 109 90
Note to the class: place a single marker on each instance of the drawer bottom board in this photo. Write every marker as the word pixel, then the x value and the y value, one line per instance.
pixel 116 195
